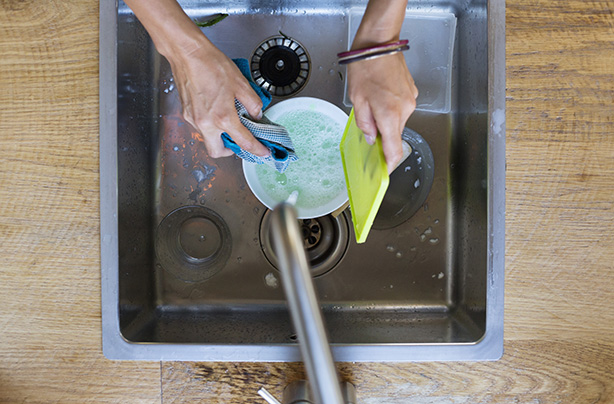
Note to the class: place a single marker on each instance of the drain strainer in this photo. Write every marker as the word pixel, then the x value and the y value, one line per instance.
pixel 193 243
pixel 325 240
pixel 280 65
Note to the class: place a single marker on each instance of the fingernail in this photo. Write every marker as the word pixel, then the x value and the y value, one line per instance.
pixel 370 139
pixel 259 117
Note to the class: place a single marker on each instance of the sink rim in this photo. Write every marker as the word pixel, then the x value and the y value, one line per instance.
pixel 115 346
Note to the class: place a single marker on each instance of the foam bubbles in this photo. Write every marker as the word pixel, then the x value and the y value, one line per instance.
pixel 318 174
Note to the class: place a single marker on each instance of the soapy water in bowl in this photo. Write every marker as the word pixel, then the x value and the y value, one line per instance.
pixel 318 175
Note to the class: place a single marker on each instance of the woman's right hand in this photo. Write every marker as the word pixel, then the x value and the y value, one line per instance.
pixel 207 80
pixel 382 90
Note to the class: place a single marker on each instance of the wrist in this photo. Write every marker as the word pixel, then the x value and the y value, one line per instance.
pixel 381 23
pixel 373 37
pixel 171 30
pixel 179 39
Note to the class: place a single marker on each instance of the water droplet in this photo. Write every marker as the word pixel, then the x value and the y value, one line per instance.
pixel 434 241
pixel 441 275
pixel 390 248
pixel 399 254
pixel 239 259
pixel 417 183
pixel 271 280
pixel 176 148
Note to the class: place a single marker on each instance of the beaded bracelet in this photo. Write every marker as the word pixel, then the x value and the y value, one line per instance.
pixel 373 51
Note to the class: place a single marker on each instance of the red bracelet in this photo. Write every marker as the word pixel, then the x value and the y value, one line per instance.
pixel 372 55
pixel 372 52
pixel 376 48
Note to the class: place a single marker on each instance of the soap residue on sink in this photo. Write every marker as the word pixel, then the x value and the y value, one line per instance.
pixel 271 280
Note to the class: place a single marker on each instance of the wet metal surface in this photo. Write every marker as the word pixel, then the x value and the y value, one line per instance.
pixel 428 278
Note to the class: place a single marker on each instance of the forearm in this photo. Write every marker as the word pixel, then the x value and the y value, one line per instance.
pixel 168 26
pixel 381 23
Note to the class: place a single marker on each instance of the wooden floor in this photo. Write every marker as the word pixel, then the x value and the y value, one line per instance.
pixel 559 303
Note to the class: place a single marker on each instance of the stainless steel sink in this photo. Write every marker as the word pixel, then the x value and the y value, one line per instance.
pixel 187 272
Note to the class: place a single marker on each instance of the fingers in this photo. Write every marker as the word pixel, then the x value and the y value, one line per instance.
pixel 244 138
pixel 239 134
pixel 251 101
pixel 213 124
pixel 366 121
pixel 389 120
pixel 390 127
pixel 387 117
pixel 215 147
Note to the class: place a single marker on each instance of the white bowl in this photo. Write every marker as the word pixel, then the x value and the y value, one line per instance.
pixel 332 112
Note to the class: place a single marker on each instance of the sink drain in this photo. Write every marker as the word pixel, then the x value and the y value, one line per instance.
pixel 409 186
pixel 280 65
pixel 193 243
pixel 325 240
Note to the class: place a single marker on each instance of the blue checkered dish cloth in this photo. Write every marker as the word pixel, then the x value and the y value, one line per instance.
pixel 275 137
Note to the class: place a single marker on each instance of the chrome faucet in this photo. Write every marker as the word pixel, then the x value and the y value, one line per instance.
pixel 305 310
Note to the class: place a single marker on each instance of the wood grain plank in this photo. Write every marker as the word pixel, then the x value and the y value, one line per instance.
pixel 530 372
pixel 560 155
pixel 50 343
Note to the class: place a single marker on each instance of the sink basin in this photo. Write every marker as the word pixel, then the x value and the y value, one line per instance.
pixel 187 269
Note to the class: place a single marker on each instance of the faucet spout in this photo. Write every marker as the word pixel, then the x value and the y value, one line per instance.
pixel 304 307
